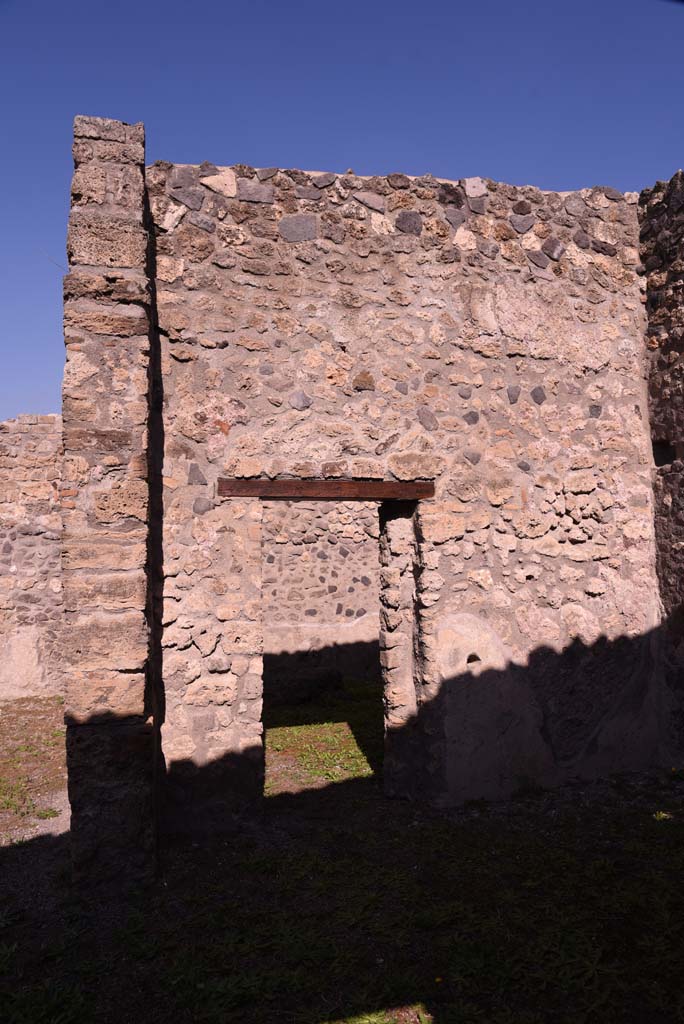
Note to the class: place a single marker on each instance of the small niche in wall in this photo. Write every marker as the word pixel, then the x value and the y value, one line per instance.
pixel 664 453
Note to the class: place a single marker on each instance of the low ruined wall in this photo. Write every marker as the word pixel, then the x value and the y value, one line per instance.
pixel 30 583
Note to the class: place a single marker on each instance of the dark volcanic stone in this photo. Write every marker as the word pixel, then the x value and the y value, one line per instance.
pixel 522 222
pixel 372 200
pixel 594 411
pixel 195 474
pixel 300 400
pixel 323 180
pixel 538 394
pixel 250 191
pixel 513 392
pixel 464 390
pixel 522 207
pixel 201 220
pixel 205 168
pixel 398 180
pixel 612 193
pixel 605 248
pixel 553 248
pixel 455 216
pixel 410 222
pixel 190 197
pixel 581 239
pixel 450 194
pixel 477 204
pixel 575 206
pixel 427 418
pixel 472 455
pixel 472 417
pixel 264 173
pixel 308 192
pixel 487 248
pixel 298 227
pixel 539 258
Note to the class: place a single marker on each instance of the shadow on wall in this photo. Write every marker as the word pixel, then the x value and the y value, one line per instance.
pixel 291 678
pixel 335 902
pixel 488 733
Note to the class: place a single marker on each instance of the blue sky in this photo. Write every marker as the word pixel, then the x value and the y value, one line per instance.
pixel 547 93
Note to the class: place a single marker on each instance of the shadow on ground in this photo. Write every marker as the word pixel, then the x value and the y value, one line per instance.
pixel 335 904
pixel 338 906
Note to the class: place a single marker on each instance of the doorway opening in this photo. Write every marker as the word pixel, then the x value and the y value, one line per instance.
pixel 323 691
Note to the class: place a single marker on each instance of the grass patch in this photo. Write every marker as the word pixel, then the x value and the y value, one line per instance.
pixel 15 797
pixel 32 760
pixel 334 737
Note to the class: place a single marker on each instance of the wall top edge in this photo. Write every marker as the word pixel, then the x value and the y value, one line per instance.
pixel 207 169
pixel 26 419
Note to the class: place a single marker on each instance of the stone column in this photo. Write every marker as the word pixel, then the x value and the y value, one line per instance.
pixel 110 741
pixel 402 768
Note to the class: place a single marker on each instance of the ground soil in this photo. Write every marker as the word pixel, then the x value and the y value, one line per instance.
pixel 337 905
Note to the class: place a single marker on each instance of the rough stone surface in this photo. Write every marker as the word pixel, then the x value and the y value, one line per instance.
pixel 521 624
pixel 30 578
pixel 279 366
pixel 320 593
pixel 105 506
pixel 662 236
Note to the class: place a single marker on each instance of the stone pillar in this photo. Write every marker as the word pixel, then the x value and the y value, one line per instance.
pixel 110 740
pixel 402 768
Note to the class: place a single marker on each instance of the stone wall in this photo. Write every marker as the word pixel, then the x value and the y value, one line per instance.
pixel 30 583
pixel 266 323
pixel 486 336
pixel 662 234
pixel 320 594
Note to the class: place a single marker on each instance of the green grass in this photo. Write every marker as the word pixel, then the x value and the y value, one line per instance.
pixel 15 797
pixel 338 737
pixel 47 812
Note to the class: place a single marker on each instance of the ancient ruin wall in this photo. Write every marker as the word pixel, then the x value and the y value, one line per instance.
pixel 662 239
pixel 486 336
pixel 30 583
pixel 105 503
pixel 320 594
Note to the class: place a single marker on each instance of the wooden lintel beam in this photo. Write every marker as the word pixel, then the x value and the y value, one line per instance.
pixel 328 490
